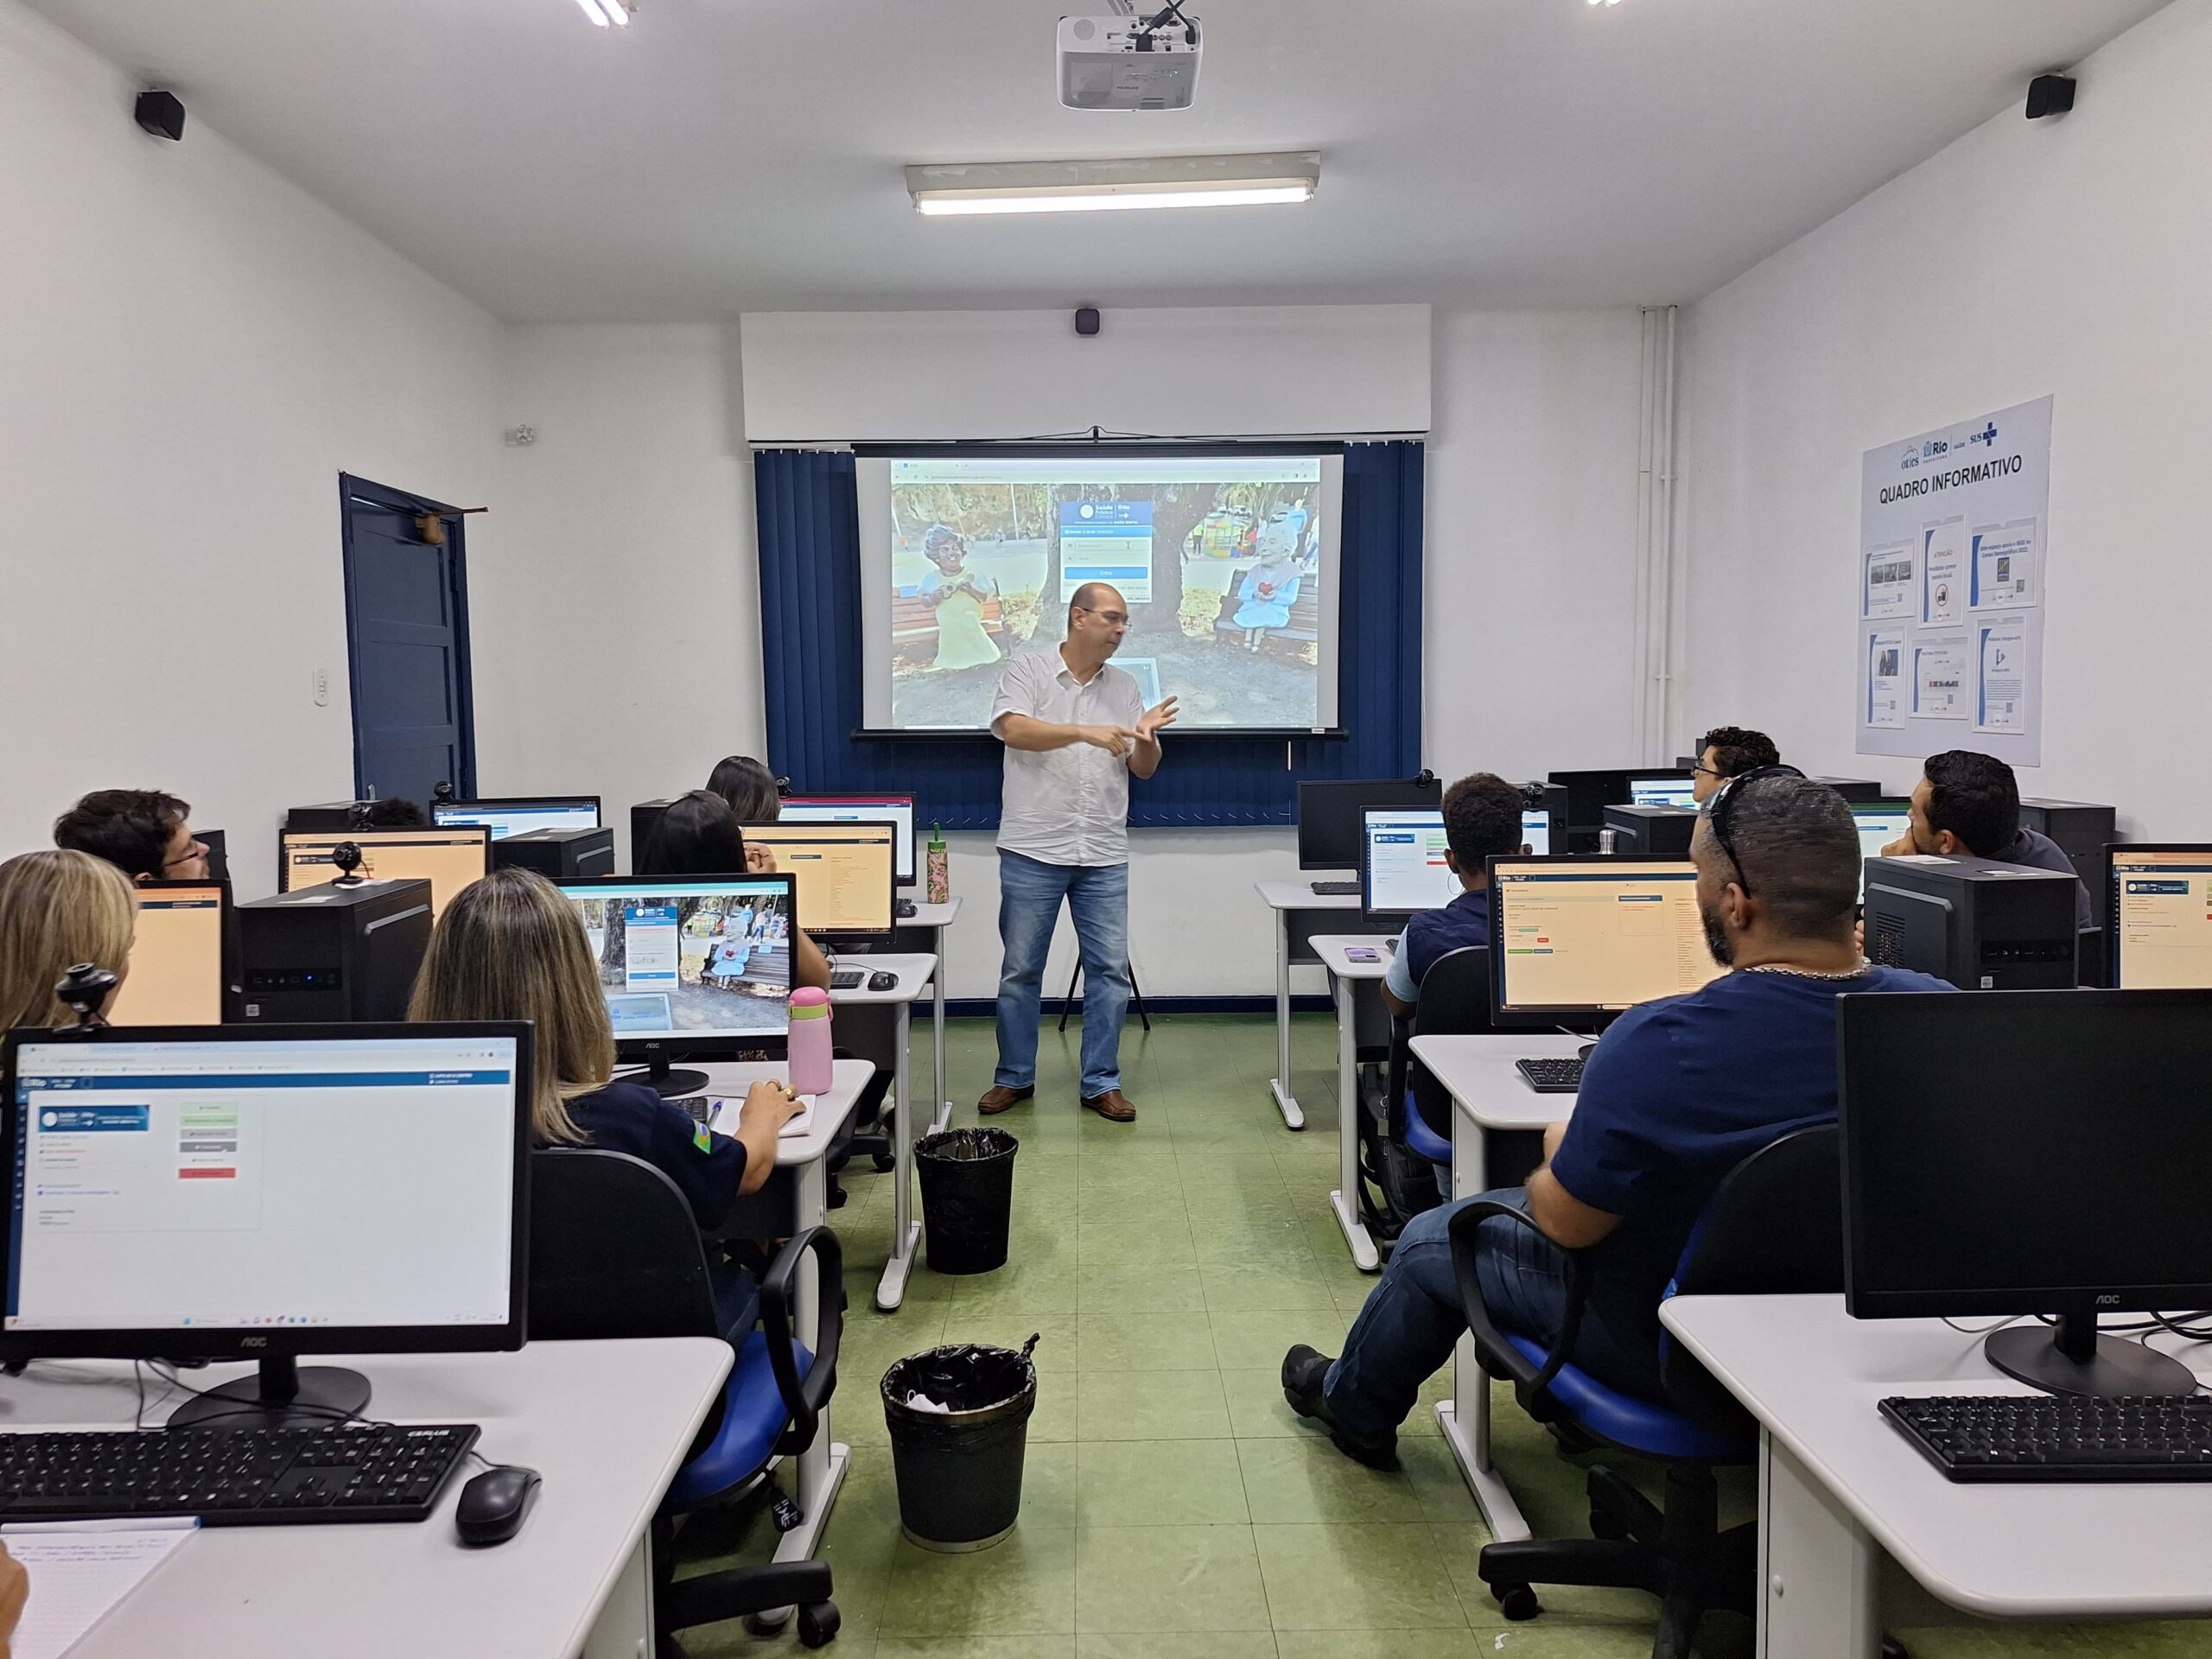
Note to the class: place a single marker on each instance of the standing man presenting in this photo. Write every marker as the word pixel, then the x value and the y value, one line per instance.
pixel 1074 728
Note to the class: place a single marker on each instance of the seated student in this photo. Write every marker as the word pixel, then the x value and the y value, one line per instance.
pixel 1728 752
pixel 58 909
pixel 753 792
pixel 1482 816
pixel 141 831
pixel 1678 1091
pixel 510 947
pixel 700 836
pixel 1970 803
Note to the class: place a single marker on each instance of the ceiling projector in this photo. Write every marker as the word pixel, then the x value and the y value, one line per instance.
pixel 1128 63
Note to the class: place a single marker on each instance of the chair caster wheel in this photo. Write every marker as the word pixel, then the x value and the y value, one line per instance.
pixel 1604 1524
pixel 817 1626
pixel 885 1162
pixel 1516 1601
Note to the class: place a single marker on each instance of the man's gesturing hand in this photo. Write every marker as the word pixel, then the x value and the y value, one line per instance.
pixel 1155 719
pixel 1117 740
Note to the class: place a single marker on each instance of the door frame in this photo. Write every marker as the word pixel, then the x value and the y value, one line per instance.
pixel 350 487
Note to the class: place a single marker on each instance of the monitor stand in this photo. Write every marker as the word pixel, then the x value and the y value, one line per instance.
pixel 671 1083
pixel 282 1395
pixel 2070 1357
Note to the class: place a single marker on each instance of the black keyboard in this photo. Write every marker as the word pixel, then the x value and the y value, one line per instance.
pixel 2048 1437
pixel 230 1477
pixel 846 979
pixel 1552 1076
pixel 1333 889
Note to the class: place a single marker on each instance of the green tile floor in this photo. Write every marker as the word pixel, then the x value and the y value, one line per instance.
pixel 1173 1508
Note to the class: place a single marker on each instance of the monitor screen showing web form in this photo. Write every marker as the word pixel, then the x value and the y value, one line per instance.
pixel 691 956
pixel 448 858
pixel 1661 792
pixel 176 960
pixel 2162 918
pixel 1597 934
pixel 845 870
pixel 221 1184
pixel 1403 868
pixel 1536 833
pixel 518 817
pixel 1880 822
pixel 855 809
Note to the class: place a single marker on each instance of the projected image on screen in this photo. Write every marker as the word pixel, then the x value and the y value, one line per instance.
pixel 1227 564
pixel 712 964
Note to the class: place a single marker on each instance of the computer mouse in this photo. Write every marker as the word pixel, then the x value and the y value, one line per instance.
pixel 883 979
pixel 492 1505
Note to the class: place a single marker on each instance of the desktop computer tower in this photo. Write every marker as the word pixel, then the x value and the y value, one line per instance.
pixel 2082 831
pixel 331 952
pixel 1652 831
pixel 557 854
pixel 645 818
pixel 1855 788
pixel 1984 926
pixel 327 815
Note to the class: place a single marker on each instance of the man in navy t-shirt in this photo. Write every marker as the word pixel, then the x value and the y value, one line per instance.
pixel 1970 803
pixel 1482 816
pixel 1678 1091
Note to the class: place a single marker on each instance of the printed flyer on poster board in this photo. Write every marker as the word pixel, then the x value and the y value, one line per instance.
pixel 1953 558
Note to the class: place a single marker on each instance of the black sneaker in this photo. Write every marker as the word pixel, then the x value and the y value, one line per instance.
pixel 1304 1370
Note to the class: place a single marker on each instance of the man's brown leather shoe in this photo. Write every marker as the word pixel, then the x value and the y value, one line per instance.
pixel 1114 1106
pixel 998 1097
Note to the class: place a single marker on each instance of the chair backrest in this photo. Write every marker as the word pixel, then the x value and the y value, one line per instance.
pixel 1454 1002
pixel 613 1250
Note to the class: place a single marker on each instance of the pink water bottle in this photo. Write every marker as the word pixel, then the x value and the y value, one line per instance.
pixel 811 1047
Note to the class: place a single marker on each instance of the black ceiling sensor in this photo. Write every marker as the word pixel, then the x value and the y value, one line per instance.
pixel 2050 95
pixel 160 113
pixel 1086 321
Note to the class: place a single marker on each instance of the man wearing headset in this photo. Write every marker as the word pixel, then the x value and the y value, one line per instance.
pixel 1677 1093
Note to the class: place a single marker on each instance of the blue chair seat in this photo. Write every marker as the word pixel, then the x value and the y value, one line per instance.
pixel 754 1416
pixel 1422 1138
pixel 1637 1424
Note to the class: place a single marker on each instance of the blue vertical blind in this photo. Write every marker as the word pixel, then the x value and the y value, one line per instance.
pixel 811 642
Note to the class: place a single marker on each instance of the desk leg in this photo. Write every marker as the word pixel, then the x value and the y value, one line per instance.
pixel 1343 1200
pixel 906 1232
pixel 624 1629
pixel 942 1120
pixel 821 1467
pixel 1820 1575
pixel 1286 1102
pixel 1464 1417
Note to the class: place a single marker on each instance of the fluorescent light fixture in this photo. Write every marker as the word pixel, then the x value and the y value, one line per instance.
pixel 592 11
pixel 618 11
pixel 1114 186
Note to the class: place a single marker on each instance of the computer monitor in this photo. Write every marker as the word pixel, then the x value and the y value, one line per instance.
pixel 2030 1152
pixel 691 962
pixel 1330 827
pixel 1669 789
pixel 2160 902
pixel 227 1193
pixel 519 815
pixel 1879 823
pixel 448 858
pixel 845 872
pixel 1589 792
pixel 1401 867
pixel 1536 832
pixel 176 960
pixel 847 809
pixel 1577 937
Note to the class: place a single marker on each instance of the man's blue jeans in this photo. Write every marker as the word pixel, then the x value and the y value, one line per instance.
pixel 1098 895
pixel 1406 1332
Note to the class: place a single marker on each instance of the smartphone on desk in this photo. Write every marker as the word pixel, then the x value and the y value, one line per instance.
pixel 1361 953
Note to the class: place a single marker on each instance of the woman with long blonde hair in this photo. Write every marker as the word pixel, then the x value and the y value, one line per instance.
pixel 59 908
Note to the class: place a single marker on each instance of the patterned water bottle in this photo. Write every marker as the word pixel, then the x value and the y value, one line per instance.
pixel 811 1047
pixel 940 876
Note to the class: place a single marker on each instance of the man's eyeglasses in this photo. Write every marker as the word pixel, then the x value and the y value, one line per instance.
pixel 198 849
pixel 1703 771
pixel 1721 808
pixel 1111 618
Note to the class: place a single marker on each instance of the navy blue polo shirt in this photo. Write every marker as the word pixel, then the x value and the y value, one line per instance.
pixel 1677 1093
pixel 2040 852
pixel 631 1117
pixel 1433 933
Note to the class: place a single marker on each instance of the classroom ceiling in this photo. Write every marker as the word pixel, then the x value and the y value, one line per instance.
pixel 721 156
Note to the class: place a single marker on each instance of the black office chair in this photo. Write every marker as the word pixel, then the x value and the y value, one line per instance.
pixel 1774 1227
pixel 1414 1139
pixel 614 1253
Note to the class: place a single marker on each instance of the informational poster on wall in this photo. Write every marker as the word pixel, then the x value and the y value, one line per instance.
pixel 1951 567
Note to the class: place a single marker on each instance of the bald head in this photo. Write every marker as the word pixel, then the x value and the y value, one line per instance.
pixel 1095 596
pixel 1097 617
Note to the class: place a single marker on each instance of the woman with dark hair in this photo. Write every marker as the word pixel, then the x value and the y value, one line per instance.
pixel 749 788
pixel 699 834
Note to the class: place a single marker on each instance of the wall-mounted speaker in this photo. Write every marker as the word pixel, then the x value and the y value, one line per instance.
pixel 160 113
pixel 2050 95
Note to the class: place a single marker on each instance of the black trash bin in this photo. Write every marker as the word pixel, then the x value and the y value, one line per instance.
pixel 959 1469
pixel 967 1197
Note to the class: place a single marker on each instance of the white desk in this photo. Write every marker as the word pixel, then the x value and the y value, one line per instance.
pixel 1853 1521
pixel 1487 1093
pixel 821 1467
pixel 575 1581
pixel 1283 898
pixel 914 972
pixel 1345 978
pixel 936 919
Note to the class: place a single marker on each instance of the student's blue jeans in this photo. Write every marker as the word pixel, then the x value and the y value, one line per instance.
pixel 1097 898
pixel 1406 1332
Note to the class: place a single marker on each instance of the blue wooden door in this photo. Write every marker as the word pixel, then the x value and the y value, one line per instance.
pixel 407 634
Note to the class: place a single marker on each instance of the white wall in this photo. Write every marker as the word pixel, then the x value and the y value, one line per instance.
pixel 193 351
pixel 2067 257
